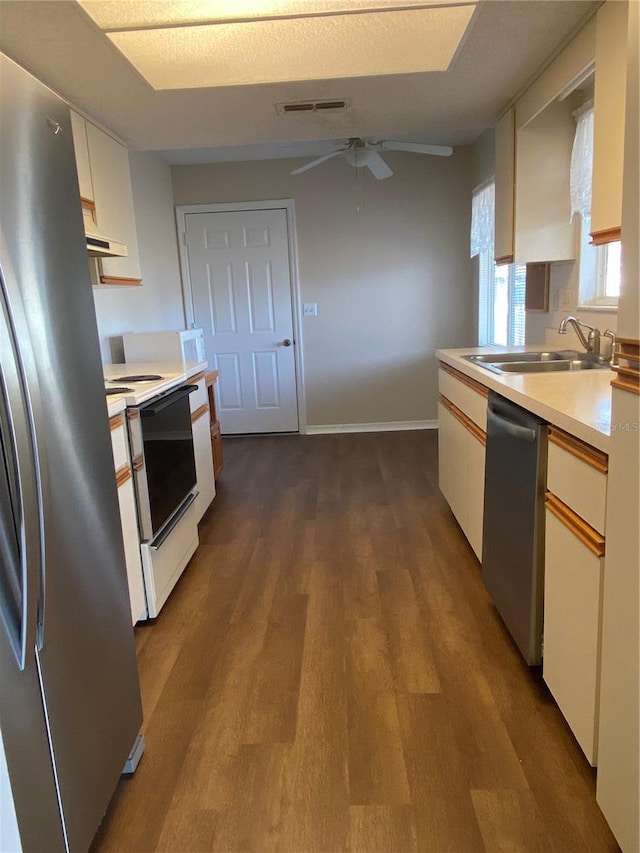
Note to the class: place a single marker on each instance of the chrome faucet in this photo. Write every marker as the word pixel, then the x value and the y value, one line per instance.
pixel 590 342
pixel 608 333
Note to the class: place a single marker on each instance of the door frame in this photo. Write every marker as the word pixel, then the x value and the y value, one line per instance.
pixel 288 205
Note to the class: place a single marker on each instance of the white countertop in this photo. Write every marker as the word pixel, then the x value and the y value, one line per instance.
pixel 172 373
pixel 577 402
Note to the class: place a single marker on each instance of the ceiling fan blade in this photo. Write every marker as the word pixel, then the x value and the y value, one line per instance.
pixel 317 162
pixel 417 148
pixel 376 164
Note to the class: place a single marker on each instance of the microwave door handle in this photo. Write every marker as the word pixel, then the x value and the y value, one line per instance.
pixel 155 408
pixel 22 572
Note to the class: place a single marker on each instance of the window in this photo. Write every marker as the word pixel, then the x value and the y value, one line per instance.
pixel 599 265
pixel 501 317
pixel 600 271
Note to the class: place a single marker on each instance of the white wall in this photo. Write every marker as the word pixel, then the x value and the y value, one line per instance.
pixel 393 281
pixel 158 303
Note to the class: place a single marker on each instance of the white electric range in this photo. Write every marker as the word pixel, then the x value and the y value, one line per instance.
pixel 167 525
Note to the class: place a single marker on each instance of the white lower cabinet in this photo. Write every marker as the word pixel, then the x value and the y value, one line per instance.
pixel 572 628
pixel 129 522
pixel 201 427
pixel 128 518
pixel 461 460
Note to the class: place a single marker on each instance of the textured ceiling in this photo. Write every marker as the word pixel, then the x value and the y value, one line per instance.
pixel 506 43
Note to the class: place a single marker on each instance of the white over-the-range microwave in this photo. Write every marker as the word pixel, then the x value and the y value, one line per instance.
pixel 182 345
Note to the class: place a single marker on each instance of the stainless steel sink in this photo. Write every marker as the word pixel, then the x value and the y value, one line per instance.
pixel 555 361
pixel 547 366
pixel 505 357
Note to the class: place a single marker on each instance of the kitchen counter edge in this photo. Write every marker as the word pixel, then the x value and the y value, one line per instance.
pixel 579 403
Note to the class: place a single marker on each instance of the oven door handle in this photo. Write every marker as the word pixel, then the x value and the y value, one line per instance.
pixel 153 409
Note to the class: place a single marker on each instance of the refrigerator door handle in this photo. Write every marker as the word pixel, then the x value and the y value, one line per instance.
pixel 22 571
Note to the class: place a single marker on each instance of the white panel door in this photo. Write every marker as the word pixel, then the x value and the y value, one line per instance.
pixel 241 291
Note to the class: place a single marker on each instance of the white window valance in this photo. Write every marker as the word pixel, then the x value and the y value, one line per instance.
pixel 582 161
pixel 483 203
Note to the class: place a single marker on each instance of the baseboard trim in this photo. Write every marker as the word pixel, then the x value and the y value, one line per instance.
pixel 388 426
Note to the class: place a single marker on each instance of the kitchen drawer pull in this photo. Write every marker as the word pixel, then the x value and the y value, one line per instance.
pixel 466 422
pixel 572 521
pixel 200 412
pixel 580 449
pixel 466 380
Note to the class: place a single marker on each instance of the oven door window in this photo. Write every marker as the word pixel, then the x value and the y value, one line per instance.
pixel 168 455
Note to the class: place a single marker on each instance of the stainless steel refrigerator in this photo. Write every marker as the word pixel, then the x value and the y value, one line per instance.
pixel 70 709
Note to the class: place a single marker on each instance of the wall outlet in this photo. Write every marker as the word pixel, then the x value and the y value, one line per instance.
pixel 310 309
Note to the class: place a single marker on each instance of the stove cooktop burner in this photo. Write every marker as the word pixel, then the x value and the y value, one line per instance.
pixel 148 377
pixel 117 390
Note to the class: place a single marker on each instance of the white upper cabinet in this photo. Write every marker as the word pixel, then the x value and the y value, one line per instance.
pixel 609 114
pixel 544 129
pixel 107 199
pixel 543 227
pixel 505 187
pixel 114 206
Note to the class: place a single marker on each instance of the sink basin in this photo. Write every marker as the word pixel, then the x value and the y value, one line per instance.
pixel 555 361
pixel 505 357
pixel 556 366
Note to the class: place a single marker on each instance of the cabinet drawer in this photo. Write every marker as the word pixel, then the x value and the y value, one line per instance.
pixel 461 463
pixel 577 474
pixel 465 393
pixel 572 630
pixel 200 397
pixel 119 442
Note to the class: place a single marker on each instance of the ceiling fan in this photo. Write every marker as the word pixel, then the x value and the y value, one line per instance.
pixel 365 152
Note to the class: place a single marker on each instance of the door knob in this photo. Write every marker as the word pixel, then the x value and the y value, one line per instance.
pixel 286 342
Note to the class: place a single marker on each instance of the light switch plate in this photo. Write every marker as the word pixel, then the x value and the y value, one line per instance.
pixel 310 309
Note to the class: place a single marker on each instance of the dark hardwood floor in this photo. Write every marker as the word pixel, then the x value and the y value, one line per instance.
pixel 329 674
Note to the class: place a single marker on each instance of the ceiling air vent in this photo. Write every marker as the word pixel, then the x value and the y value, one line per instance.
pixel 334 105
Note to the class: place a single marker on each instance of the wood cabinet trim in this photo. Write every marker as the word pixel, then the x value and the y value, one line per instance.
pixel 605 235
pixel 211 377
pixel 132 414
pixel 123 475
pixel 577 525
pixel 120 281
pixel 627 380
pixel 627 366
pixel 466 380
pixel 580 449
pixel 466 422
pixel 504 259
pixel 116 421
pixel 199 412
pixel 194 379
pixel 138 463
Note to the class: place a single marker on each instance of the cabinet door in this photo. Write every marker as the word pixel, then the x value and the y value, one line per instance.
pixel 204 461
pixel 543 227
pixel 505 187
pixel 129 522
pixel 461 460
pixel 609 117
pixel 572 630
pixel 114 206
pixel 79 130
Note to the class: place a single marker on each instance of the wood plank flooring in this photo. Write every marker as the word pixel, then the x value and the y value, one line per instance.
pixel 330 675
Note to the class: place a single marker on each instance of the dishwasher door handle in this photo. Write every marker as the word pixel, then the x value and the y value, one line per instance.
pixel 511 428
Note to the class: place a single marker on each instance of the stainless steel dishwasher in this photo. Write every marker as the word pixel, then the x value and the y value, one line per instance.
pixel 513 532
